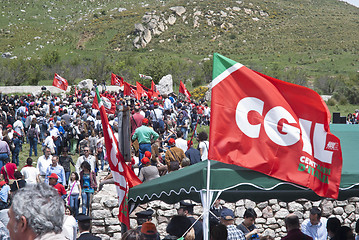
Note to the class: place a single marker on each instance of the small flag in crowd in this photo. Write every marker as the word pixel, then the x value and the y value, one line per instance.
pixel 154 92
pixel 116 80
pixel 122 174
pixel 60 82
pixel 274 127
pixel 108 102
pixel 183 89
pixel 145 77
pixel 129 90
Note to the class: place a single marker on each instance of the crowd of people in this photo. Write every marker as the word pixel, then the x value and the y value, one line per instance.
pixel 165 138
pixel 68 126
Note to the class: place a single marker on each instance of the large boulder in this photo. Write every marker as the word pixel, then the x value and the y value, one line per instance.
pixel 85 84
pixel 179 10
pixel 165 85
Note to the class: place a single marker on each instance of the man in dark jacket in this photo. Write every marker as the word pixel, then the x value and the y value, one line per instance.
pixel 293 231
pixel 84 223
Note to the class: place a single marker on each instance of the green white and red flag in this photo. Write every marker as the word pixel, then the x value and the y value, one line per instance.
pixel 123 175
pixel 274 127
pixel 109 102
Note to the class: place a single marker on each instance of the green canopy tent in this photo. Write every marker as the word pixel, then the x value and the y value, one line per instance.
pixel 233 182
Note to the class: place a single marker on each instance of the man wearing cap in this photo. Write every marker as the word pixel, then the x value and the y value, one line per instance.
pixel 59 187
pixel 145 135
pixel 85 224
pixel 143 216
pixel 173 156
pixel 4 152
pixel 193 154
pixel 186 209
pixel 149 231
pixel 227 219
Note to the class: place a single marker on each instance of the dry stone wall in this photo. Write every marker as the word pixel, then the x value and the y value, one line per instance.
pixel 270 213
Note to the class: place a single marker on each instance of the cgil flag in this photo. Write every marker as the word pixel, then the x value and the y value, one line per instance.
pixel 154 91
pixel 183 89
pixel 116 80
pixel 60 82
pixel 274 127
pixel 109 102
pixel 123 176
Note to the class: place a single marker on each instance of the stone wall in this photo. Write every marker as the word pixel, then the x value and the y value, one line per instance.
pixel 270 213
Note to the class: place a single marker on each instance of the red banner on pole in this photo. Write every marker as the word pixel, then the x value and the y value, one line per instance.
pixel 274 127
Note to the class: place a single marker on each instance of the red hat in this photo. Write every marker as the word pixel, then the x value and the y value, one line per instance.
pixel 148 154
pixel 9 126
pixel 54 175
pixel 145 121
pixel 145 160
pixel 171 141
pixel 2 183
pixel 189 143
pixel 149 228
pixel 155 103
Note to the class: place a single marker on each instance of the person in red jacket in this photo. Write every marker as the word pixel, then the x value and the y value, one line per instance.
pixel 59 187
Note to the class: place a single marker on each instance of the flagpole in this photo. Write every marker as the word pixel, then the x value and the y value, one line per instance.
pixel 208 203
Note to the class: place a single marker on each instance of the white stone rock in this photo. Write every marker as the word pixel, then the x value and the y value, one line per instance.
pixel 112 221
pixel 282 213
pixel 171 19
pixel 231 206
pixel 85 84
pixel 260 220
pixel 223 14
pixel 121 9
pixel 96 198
pixel 267 212
pixel 96 206
pixel 237 9
pixel 294 206
pixel 165 85
pixel 146 18
pixel 273 201
pixel 269 232
pixel 155 204
pixel 239 211
pixel 249 204
pixel 197 13
pixel 100 214
pixel 114 228
pixel 165 206
pixel 133 223
pixel 117 235
pixel 276 207
pixel 167 213
pixel 283 204
pixel 111 203
pixel 179 10
pixel 115 211
pixel 240 203
pixel 161 26
pixel 96 229
pixel 98 222
pixel 147 37
pixel 248 11
pixel 258 212
pixel 255 19
pixel 271 221
pixel 349 208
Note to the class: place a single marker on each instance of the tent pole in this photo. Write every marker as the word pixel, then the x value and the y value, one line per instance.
pixel 208 204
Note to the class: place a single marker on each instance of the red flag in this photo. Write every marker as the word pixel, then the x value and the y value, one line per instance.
pixel 122 174
pixel 140 91
pixel 154 92
pixel 60 82
pixel 183 89
pixel 109 102
pixel 116 80
pixel 274 127
pixel 129 90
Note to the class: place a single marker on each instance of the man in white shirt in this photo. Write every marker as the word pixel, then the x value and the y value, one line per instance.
pixel 86 157
pixel 180 142
pixel 19 126
pixel 316 225
pixel 30 173
pixel 43 163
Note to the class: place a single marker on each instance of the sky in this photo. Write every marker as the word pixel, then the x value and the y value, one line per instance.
pixel 353 2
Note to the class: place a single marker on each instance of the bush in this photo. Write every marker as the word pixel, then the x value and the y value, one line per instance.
pixel 331 102
pixel 199 92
